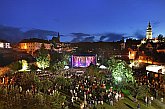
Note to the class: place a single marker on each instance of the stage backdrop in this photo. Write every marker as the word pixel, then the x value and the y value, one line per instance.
pixel 83 60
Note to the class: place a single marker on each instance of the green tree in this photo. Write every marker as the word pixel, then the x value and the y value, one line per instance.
pixel 38 84
pixel 43 58
pixel 62 82
pixel 57 66
pixel 27 80
pixel 46 84
pixel 138 91
pixel 15 66
pixel 65 58
pixel 24 65
pixel 57 100
pixel 121 72
pixel 55 57
pixel 93 71
pixel 33 67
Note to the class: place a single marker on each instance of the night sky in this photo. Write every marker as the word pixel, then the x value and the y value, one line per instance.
pixel 80 20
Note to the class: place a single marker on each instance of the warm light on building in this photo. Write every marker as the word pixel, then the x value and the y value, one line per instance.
pixel 25 46
pixel 132 54
pixel 31 45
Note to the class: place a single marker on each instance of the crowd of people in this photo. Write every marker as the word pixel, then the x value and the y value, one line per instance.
pixel 92 91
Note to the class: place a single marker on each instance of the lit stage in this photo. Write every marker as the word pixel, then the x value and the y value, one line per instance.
pixel 83 60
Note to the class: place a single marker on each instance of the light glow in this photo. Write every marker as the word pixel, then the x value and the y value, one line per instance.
pixel 102 67
pixel 119 79
pixel 156 69
pixel 66 67
pixel 24 66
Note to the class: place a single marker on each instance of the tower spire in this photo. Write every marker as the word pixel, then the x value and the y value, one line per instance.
pixel 149 31
pixel 149 24
pixel 58 36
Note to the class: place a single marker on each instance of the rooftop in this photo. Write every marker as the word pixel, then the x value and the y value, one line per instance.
pixel 34 40
pixel 4 41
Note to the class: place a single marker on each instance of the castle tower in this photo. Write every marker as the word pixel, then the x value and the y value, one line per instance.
pixel 56 39
pixel 58 36
pixel 149 31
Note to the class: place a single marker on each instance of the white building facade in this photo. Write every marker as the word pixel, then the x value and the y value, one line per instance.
pixel 4 44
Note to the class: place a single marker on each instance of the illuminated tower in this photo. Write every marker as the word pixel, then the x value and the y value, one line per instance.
pixel 149 31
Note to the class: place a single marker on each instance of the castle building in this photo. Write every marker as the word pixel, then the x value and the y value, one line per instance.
pixel 31 45
pixel 149 31
pixel 56 39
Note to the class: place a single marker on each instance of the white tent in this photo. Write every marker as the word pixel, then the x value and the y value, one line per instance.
pixel 66 67
pixel 102 67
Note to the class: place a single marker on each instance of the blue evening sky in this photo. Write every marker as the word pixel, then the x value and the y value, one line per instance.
pixel 94 17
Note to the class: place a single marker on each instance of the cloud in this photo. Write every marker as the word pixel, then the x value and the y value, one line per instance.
pixel 38 33
pixel 108 37
pixel 103 37
pixel 79 37
pixel 14 34
pixel 89 39
pixel 139 34
pixel 80 34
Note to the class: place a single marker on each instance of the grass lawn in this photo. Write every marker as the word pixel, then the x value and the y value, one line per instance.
pixel 126 103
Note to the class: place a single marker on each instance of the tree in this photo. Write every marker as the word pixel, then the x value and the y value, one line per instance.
pixel 38 84
pixel 121 72
pixel 61 81
pixel 164 78
pixel 160 37
pixel 65 59
pixel 57 66
pixel 33 67
pixel 57 100
pixel 26 80
pixel 24 65
pixel 15 100
pixel 93 71
pixel 55 57
pixel 43 58
pixel 15 66
pixel 137 91
pixel 46 84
